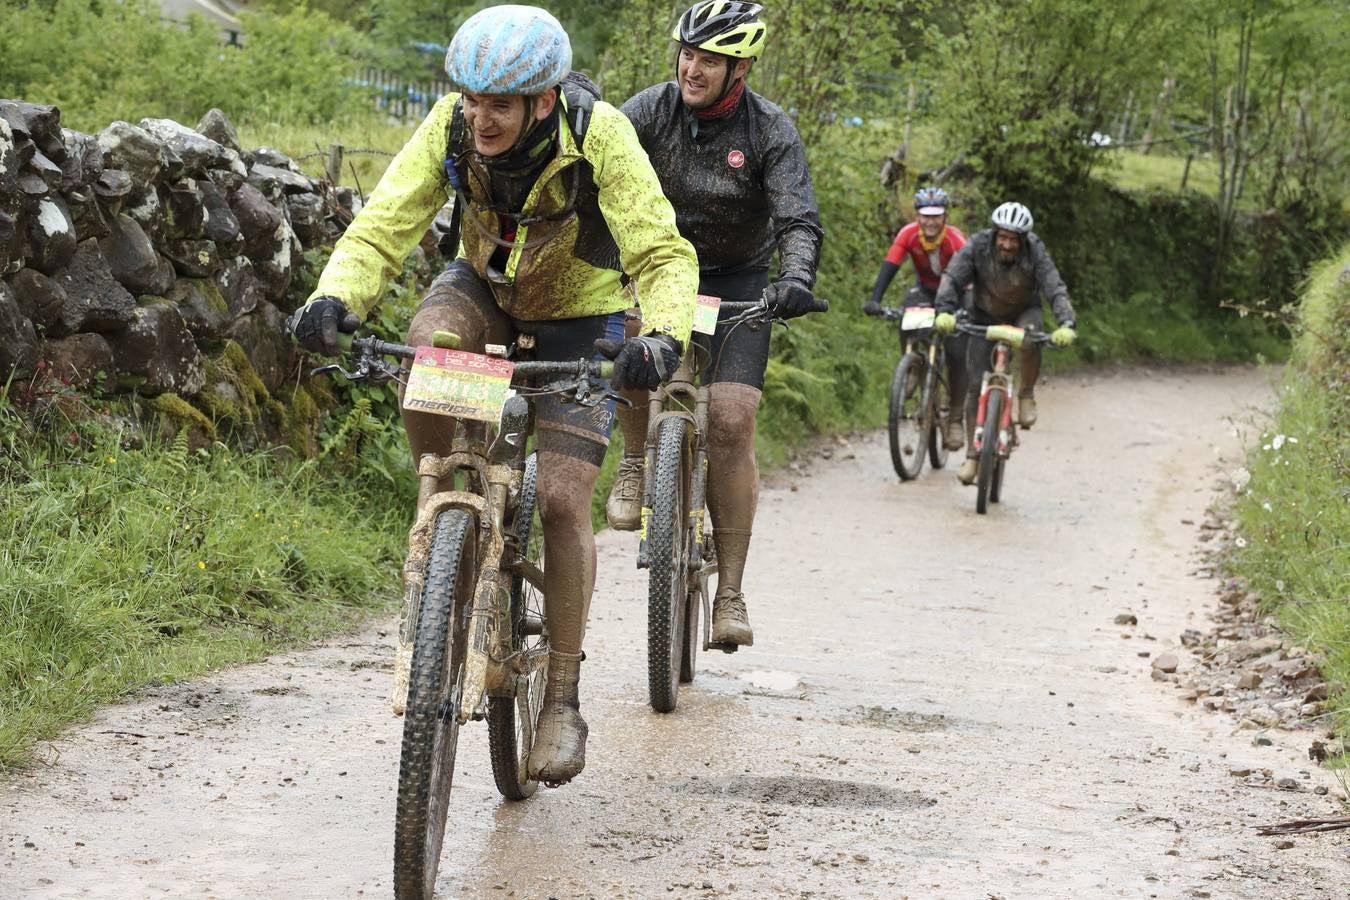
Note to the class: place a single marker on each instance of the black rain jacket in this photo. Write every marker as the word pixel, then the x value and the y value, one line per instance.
pixel 739 184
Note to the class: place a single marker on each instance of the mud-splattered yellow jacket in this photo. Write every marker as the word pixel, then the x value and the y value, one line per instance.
pixel 624 224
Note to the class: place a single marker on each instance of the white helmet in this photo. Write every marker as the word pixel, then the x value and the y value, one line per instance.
pixel 1013 217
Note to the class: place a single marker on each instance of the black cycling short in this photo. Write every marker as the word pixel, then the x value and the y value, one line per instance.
pixel 735 353
pixel 463 301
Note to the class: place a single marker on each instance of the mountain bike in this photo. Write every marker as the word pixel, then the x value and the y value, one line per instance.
pixel 920 396
pixel 472 641
pixel 673 545
pixel 995 436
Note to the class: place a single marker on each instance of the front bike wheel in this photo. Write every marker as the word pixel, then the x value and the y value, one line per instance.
pixel 511 719
pixel 907 434
pixel 937 398
pixel 996 485
pixel 431 722
pixel 993 413
pixel 668 572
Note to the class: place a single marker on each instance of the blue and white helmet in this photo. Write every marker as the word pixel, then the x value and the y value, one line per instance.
pixel 509 50
pixel 1012 217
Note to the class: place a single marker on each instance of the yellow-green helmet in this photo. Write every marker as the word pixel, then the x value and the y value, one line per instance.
pixel 728 27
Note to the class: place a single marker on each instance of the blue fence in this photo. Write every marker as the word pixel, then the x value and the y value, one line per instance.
pixel 398 97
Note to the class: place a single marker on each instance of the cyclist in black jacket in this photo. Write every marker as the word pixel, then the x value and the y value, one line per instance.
pixel 733 166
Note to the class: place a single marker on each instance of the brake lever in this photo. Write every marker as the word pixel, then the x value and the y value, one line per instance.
pixel 331 367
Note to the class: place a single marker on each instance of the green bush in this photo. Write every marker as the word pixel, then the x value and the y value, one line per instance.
pixel 1294 513
pixel 124 567
pixel 105 61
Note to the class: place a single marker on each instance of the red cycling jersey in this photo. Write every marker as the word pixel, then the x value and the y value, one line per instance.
pixel 928 266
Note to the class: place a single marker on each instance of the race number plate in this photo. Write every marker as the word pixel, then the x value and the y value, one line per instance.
pixel 1009 334
pixel 705 314
pixel 459 384
pixel 917 317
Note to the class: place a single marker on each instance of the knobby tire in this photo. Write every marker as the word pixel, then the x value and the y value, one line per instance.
pixel 668 570
pixel 907 436
pixel 988 450
pixel 936 398
pixel 511 720
pixel 430 724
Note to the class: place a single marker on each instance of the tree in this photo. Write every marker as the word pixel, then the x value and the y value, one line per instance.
pixel 1027 85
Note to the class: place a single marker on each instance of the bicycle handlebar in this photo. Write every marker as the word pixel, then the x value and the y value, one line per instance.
pixel 819 304
pixel 1034 337
pixel 371 349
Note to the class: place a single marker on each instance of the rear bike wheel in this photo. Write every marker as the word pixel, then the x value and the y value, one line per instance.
pixel 937 397
pixel 906 430
pixel 431 722
pixel 993 412
pixel 668 574
pixel 511 720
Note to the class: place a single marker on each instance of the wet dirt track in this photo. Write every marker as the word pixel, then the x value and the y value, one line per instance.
pixel 937 705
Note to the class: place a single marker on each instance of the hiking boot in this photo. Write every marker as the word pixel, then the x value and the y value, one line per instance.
pixel 955 434
pixel 558 753
pixel 1026 410
pixel 969 469
pixel 730 624
pixel 623 509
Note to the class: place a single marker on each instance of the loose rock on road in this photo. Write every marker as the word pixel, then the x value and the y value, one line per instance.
pixel 938 704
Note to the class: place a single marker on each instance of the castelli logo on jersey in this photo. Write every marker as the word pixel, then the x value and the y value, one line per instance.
pixel 735 159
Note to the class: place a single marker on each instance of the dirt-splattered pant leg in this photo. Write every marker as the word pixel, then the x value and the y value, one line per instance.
pixel 979 359
pixel 458 301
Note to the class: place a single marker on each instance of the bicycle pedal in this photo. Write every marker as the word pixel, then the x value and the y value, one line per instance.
pixel 725 648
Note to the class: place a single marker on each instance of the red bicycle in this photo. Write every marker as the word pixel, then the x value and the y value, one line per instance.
pixel 995 436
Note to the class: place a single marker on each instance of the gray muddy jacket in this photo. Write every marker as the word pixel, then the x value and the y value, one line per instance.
pixel 1002 292
pixel 739 183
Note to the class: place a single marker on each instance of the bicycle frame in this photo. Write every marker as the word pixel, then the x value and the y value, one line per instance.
pixel 999 378
pixel 490 669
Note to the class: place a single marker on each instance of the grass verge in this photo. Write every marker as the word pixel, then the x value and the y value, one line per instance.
pixel 129 567
pixel 1294 513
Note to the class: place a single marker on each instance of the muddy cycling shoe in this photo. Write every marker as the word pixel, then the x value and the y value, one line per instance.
pixel 1026 410
pixel 969 469
pixel 955 436
pixel 558 753
pixel 623 509
pixel 730 623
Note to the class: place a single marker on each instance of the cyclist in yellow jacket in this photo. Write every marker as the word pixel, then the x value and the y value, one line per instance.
pixel 560 211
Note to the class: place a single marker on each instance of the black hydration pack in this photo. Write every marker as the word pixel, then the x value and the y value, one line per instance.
pixel 579 94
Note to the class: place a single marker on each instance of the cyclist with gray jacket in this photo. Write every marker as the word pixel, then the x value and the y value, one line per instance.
pixel 1011 271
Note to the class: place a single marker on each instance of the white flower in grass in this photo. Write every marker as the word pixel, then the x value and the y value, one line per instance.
pixel 1277 442
pixel 1240 542
pixel 1266 506
pixel 1279 584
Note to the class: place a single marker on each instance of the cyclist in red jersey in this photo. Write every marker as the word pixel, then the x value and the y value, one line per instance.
pixel 930 243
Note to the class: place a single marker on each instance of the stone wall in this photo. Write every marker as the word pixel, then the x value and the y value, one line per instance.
pixel 135 258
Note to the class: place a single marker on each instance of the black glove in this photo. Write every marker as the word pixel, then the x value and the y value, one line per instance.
pixel 871 308
pixel 316 326
pixel 641 363
pixel 789 298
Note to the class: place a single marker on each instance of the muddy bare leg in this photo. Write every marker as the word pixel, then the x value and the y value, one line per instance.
pixel 565 487
pixel 733 493
pixel 623 508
